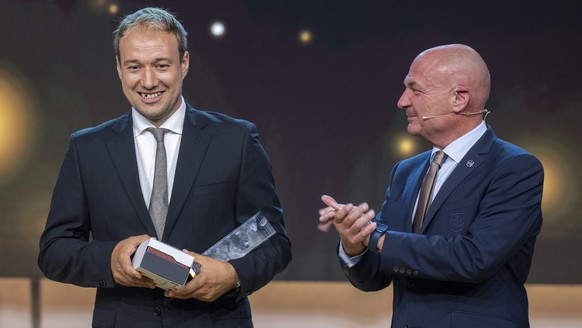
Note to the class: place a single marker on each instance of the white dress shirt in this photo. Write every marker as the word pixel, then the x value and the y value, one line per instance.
pixel 145 148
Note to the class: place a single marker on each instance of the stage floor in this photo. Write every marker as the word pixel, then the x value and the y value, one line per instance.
pixel 281 304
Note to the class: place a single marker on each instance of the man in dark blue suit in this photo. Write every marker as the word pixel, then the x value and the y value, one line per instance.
pixel 466 263
pixel 218 175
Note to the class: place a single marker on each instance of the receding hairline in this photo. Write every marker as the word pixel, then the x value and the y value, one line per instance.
pixel 151 19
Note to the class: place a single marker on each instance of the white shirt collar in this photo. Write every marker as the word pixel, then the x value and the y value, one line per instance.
pixel 457 149
pixel 174 123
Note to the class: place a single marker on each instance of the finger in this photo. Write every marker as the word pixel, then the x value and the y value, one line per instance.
pixel 326 210
pixel 366 232
pixel 325 226
pixel 131 277
pixel 363 207
pixel 144 282
pixel 352 227
pixel 354 214
pixel 329 201
pixel 327 217
pixel 124 272
pixel 325 222
pixel 342 213
pixel 189 290
pixel 141 238
pixel 365 220
pixel 182 292
pixel 127 269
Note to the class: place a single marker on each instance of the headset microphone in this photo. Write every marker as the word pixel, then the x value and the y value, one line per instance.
pixel 485 111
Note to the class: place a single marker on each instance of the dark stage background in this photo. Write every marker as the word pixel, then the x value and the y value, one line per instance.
pixel 320 79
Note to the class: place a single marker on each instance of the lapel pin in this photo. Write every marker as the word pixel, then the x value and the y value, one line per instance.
pixel 470 163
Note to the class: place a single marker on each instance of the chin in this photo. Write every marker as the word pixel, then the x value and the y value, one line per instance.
pixel 413 130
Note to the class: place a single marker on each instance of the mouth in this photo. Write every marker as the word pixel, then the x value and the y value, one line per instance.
pixel 410 115
pixel 150 95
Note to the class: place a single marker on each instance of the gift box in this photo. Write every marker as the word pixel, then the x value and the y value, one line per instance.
pixel 167 266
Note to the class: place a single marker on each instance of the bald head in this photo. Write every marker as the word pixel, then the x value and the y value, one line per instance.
pixel 446 91
pixel 462 67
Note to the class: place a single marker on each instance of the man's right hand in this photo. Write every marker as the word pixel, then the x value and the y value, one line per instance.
pixel 121 267
pixel 353 223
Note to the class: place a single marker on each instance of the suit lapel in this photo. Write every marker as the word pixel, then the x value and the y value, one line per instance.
pixel 476 156
pixel 193 148
pixel 122 151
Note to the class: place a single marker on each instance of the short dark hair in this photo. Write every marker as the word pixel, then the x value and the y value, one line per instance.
pixel 155 19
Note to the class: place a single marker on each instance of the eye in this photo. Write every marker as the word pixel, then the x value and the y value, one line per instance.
pixel 163 67
pixel 132 68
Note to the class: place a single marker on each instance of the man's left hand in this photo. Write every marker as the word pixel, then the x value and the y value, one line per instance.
pixel 215 279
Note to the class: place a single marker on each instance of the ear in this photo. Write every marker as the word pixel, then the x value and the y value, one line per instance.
pixel 461 98
pixel 185 64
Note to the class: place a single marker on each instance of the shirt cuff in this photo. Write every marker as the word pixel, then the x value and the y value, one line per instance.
pixel 350 261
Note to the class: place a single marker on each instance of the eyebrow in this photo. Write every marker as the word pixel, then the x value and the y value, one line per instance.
pixel 156 60
pixel 411 84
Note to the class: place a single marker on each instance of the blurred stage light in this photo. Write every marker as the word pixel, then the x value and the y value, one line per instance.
pixel 113 9
pixel 406 146
pixel 560 178
pixel 305 36
pixel 217 29
pixel 98 6
pixel 16 122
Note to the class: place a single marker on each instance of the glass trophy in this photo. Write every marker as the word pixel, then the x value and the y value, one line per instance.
pixel 242 240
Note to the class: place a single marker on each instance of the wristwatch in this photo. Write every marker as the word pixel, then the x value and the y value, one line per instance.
pixel 378 232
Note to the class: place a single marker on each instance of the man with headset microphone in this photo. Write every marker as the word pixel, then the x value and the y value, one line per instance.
pixel 456 233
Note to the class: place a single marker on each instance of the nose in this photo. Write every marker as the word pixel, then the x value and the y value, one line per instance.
pixel 149 79
pixel 404 101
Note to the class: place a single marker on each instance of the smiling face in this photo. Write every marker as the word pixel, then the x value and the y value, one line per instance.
pixel 445 92
pixel 151 72
pixel 428 98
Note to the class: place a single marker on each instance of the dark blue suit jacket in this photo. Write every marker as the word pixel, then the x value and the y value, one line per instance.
pixel 223 177
pixel 468 265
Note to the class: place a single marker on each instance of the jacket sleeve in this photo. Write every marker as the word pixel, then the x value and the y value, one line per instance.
pixel 67 253
pixel 255 191
pixel 366 274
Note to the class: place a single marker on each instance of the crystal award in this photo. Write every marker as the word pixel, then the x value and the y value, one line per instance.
pixel 242 240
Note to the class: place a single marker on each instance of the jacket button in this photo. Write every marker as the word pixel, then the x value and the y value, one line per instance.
pixel 157 312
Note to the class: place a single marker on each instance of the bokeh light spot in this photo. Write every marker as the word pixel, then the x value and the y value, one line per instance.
pixel 406 146
pixel 113 9
pixel 15 123
pixel 217 29
pixel 560 190
pixel 305 36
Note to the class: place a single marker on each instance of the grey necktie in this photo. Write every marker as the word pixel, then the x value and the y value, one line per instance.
pixel 426 189
pixel 159 200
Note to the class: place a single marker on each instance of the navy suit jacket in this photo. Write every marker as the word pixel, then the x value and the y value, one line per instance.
pixel 468 264
pixel 223 177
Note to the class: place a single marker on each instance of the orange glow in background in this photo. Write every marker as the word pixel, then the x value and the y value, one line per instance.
pixel 16 121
